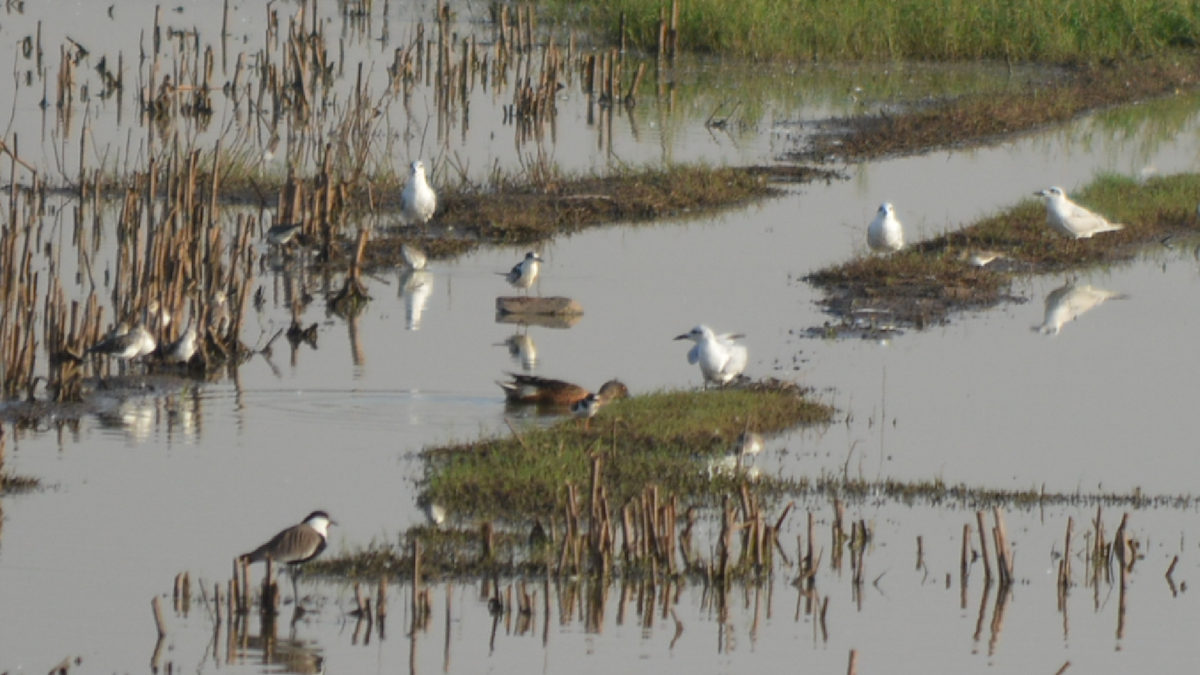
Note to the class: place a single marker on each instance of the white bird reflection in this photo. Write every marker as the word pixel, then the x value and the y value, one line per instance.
pixel 1070 302
pixel 415 288
pixel 522 349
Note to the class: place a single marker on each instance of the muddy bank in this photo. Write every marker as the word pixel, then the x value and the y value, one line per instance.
pixel 516 212
pixel 1058 95
pixel 923 284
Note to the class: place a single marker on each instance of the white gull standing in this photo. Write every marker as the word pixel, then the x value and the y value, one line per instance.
pixel 885 232
pixel 721 359
pixel 418 201
pixel 1071 219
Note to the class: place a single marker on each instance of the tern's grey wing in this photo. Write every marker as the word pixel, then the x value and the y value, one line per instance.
pixel 694 354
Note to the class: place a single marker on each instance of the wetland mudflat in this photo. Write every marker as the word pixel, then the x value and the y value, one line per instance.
pixel 338 423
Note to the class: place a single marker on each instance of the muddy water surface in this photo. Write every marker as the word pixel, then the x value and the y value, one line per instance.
pixel 164 484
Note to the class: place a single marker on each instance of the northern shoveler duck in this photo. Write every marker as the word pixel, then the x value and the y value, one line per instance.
pixel 531 389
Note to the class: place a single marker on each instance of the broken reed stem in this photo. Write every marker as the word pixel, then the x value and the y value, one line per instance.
pixel 416 585
pixel 381 600
pixel 983 545
pixel 1064 567
pixel 964 560
pixel 159 622
pixel 1004 561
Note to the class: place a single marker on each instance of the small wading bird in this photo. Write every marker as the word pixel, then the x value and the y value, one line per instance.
pixel 181 350
pixel 282 234
pixel 418 201
pixel 721 359
pixel 435 514
pixel 1071 219
pixel 295 546
pixel 587 407
pixel 125 343
pixel 524 273
pixel 885 232
pixel 534 390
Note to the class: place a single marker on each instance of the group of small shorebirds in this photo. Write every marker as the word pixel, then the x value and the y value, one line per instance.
pixel 720 358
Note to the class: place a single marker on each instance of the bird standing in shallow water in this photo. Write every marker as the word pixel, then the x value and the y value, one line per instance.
pixel 885 232
pixel 531 389
pixel 181 350
pixel 721 359
pixel 1071 219
pixel 295 546
pixel 418 201
pixel 125 343
pixel 524 273
pixel 282 234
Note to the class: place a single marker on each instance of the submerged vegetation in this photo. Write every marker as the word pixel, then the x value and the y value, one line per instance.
pixel 932 278
pixel 1030 30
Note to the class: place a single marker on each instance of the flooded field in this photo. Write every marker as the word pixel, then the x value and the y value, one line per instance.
pixel 1091 401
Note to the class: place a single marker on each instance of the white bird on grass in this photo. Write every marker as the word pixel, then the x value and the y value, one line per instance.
pixel 1071 219
pixel 418 201
pixel 885 234
pixel 721 359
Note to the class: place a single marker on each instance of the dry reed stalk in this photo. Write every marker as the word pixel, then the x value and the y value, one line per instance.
pixel 1064 567
pixel 983 546
pixel 381 600
pixel 1004 557
pixel 416 585
pixel 159 622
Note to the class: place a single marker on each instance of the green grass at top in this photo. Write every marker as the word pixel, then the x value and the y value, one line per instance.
pixel 662 439
pixel 1035 30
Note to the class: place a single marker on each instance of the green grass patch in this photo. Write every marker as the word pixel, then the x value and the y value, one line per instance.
pixel 662 439
pixel 1026 30
pixel 932 278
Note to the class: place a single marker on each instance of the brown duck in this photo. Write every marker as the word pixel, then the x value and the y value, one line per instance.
pixel 531 389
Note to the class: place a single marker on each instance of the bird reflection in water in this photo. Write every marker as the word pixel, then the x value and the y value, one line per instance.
pixel 522 349
pixel 415 288
pixel 1069 302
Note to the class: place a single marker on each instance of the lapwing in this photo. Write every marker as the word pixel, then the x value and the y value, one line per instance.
pixel 295 546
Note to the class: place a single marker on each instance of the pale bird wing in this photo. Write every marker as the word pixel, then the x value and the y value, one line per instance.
pixel 738 355
pixel 1082 220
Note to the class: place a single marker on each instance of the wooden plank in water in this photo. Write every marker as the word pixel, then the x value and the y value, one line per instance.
pixel 557 306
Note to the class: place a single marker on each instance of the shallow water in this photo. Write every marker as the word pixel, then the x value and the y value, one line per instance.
pixel 157 486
